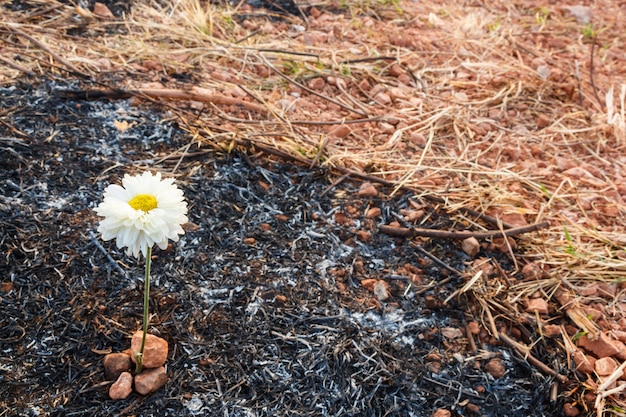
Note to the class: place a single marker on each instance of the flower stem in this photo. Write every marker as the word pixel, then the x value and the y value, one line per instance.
pixel 146 302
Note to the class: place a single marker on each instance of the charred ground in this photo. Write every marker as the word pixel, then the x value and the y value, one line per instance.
pixel 262 300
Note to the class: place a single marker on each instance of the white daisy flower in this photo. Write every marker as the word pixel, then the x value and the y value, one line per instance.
pixel 145 210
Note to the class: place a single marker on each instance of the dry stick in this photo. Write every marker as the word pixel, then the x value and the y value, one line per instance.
pixel 368 59
pixel 41 45
pixel 438 261
pixel 470 338
pixel 303 122
pixel 593 84
pixel 462 234
pixel 309 90
pixel 525 352
pixel 198 94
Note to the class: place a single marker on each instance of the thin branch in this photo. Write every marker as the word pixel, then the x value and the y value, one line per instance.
pixel 524 351
pixel 591 79
pixel 462 234
pixel 94 240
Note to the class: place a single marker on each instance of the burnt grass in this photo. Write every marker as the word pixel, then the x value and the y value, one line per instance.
pixel 261 300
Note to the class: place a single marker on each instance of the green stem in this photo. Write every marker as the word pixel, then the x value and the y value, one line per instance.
pixel 146 302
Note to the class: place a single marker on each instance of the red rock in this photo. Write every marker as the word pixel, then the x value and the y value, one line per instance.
pixel 150 380
pixel 593 314
pixel 452 333
pixel 373 213
pixel 339 131
pixel 367 190
pixel 115 364
pixel 570 410
pixel 121 388
pixel 315 12
pixel 495 368
pixel 382 98
pixel 608 291
pixel 543 121
pixel 538 305
pixel 368 284
pixel 317 83
pixel 552 330
pixel 474 327
pixel 434 367
pixel 404 79
pixel 470 246
pixel 621 347
pixel 532 271
pixel 442 412
pixel 101 10
pixel 619 335
pixel 514 219
pixel 412 215
pixel 602 347
pixel 418 138
pixel 365 85
pixel 155 350
pixel 396 70
pixel 364 236
pixel 605 366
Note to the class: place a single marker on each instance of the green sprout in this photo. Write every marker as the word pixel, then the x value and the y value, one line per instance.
pixel 578 335
pixel 570 249
pixel 542 15
pixel 493 27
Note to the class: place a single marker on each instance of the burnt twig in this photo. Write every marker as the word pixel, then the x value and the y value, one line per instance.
pixel 94 240
pixel 461 234
pixel 524 351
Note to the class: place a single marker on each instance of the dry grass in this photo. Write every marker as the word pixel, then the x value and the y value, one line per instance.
pixel 500 110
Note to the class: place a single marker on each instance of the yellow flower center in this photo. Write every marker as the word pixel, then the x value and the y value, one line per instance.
pixel 144 202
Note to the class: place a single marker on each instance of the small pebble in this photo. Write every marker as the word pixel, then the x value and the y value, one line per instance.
pixel 585 364
pixel 495 368
pixel 317 84
pixel 155 350
pixel 364 236
pixel 570 410
pixel 373 213
pixel 367 190
pixel 339 131
pixel 532 271
pixel 442 412
pixel 115 364
pixel 150 380
pixel 121 388
pixel 605 366
pixel 538 305
pixel 471 246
